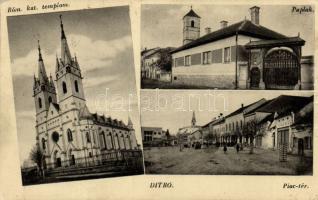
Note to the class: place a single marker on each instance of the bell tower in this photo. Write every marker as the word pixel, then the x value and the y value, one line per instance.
pixel 68 77
pixel 43 90
pixel 191 27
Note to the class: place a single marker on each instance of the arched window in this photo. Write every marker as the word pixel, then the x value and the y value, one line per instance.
pixel 40 102
pixel 69 135
pixel 102 134
pixel 192 23
pixel 43 144
pixel 88 138
pixel 76 86
pixel 64 87
pixel 50 99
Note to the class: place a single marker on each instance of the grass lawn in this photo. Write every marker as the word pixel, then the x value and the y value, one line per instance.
pixel 213 161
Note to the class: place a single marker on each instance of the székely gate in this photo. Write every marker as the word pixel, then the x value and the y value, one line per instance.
pixel 275 64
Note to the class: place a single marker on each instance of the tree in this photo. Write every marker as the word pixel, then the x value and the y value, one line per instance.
pixel 167 134
pixel 37 157
pixel 165 60
pixel 250 129
pixel 209 137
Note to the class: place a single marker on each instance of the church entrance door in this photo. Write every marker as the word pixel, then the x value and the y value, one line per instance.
pixel 58 162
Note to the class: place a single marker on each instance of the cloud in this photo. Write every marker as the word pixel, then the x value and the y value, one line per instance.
pixel 91 55
pixel 95 81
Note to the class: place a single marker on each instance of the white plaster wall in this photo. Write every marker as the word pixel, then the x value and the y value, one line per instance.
pixel 213 68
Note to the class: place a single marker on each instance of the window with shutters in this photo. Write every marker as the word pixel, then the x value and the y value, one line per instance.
pixel 207 57
pixel 187 61
pixel 227 55
pixel 217 56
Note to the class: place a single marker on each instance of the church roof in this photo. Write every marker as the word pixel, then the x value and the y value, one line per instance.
pixel 191 13
pixel 244 27
pixel 84 113
pixel 56 106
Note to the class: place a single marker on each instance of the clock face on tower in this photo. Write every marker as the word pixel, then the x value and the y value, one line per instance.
pixel 55 137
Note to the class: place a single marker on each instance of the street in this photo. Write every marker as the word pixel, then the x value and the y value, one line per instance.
pixel 213 161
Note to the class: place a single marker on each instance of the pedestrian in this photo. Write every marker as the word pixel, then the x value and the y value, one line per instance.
pixel 225 148
pixel 237 147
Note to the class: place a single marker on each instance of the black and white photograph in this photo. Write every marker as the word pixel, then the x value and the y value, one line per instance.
pixel 208 132
pixel 245 47
pixel 75 95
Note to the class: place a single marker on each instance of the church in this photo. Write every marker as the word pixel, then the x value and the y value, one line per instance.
pixel 191 135
pixel 67 133
pixel 242 55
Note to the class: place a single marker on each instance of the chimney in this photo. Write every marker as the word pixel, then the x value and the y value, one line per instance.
pixel 242 105
pixel 255 15
pixel 207 30
pixel 223 23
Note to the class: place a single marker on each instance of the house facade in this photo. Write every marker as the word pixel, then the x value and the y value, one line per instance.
pixel 152 62
pixel 66 132
pixel 244 55
pixel 153 136
pixel 265 124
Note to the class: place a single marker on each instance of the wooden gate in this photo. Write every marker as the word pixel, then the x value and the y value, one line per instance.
pixel 283 142
pixel 281 70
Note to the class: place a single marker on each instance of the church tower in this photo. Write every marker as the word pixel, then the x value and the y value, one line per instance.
pixel 68 77
pixel 191 27
pixel 193 121
pixel 43 90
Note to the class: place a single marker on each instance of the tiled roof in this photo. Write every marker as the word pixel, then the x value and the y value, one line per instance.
pixel 244 27
pixel 191 13
pixel 245 107
pixel 306 119
pixel 277 42
pixel 101 119
pixel 285 104
pixel 267 118
pixel 160 50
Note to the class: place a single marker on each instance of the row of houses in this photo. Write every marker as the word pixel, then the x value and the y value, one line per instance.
pixel 156 64
pixel 284 120
pixel 156 136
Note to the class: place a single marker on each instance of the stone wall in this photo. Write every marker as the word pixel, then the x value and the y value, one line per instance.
pixel 215 81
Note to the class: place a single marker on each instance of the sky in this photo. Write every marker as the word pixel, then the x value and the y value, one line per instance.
pixel 161 25
pixel 171 110
pixel 101 39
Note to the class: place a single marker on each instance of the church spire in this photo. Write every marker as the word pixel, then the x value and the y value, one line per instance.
pixel 57 66
pixel 130 124
pixel 193 121
pixel 65 51
pixel 62 28
pixel 41 73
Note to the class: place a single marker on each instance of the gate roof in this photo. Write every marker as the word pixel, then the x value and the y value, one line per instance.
pixel 290 41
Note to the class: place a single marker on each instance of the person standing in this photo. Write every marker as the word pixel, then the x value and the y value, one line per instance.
pixel 237 147
pixel 224 148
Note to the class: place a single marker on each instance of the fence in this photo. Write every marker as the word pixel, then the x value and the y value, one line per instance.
pixel 108 158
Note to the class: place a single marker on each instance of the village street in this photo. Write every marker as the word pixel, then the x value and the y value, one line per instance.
pixel 213 161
